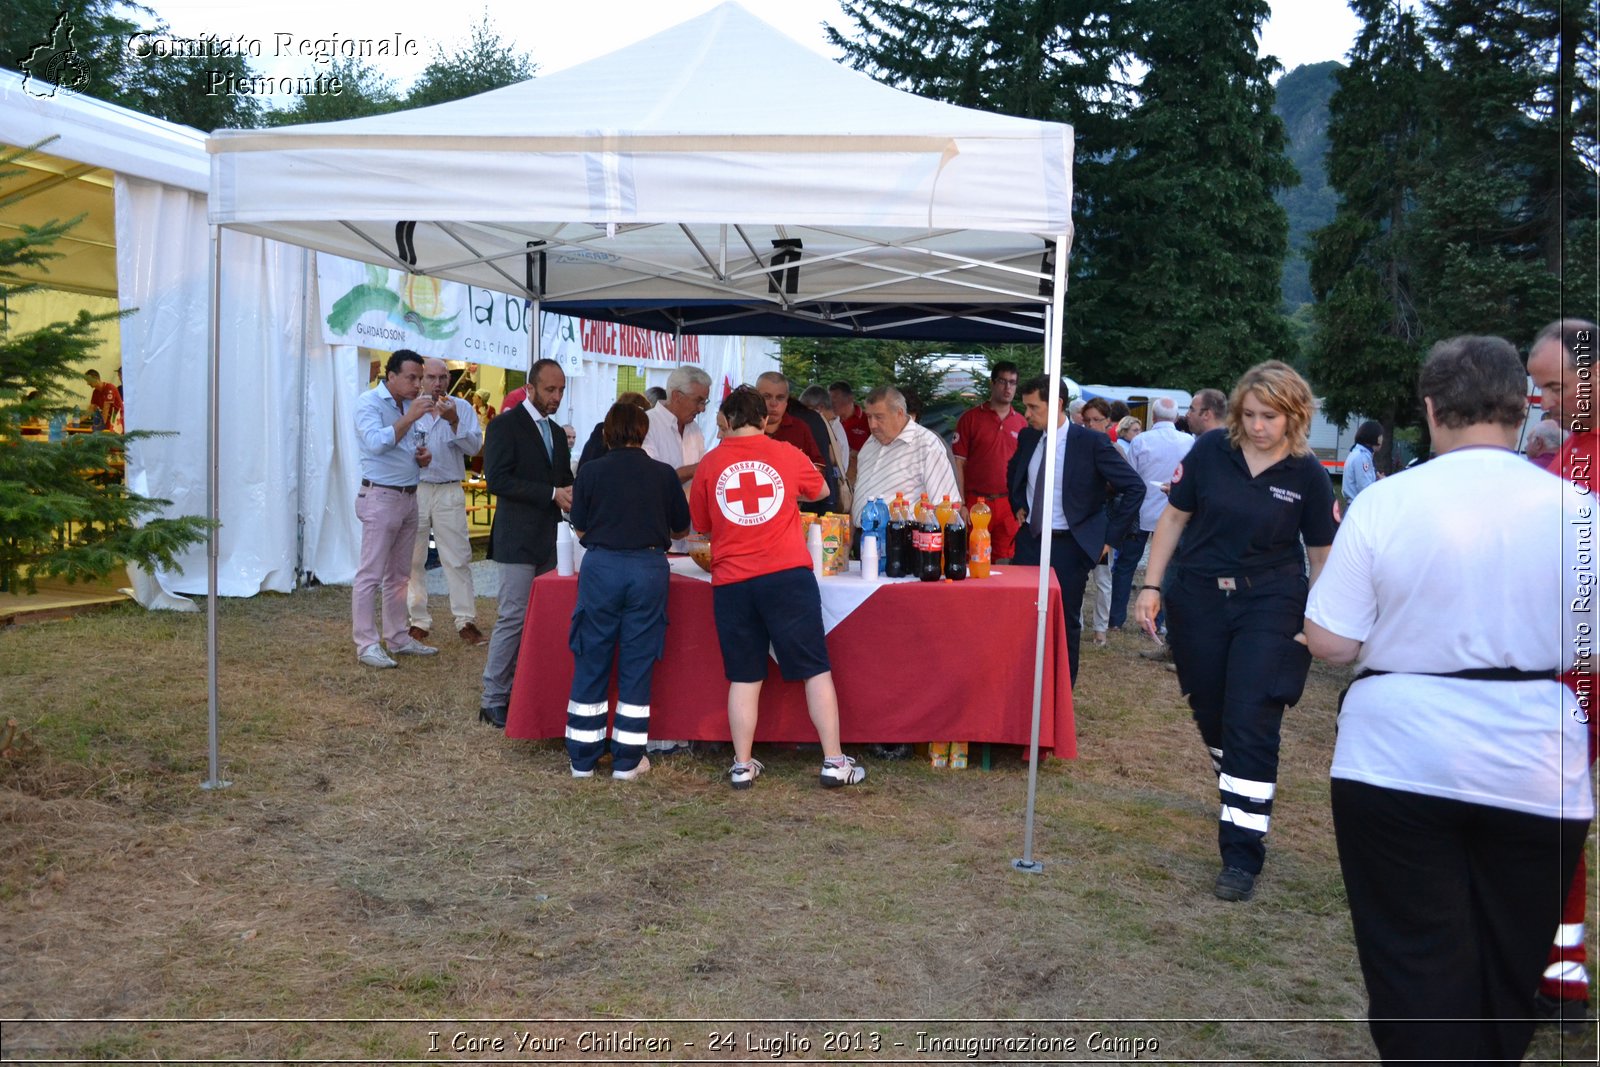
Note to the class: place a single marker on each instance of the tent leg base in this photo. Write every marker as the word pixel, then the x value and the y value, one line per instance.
pixel 214 783
pixel 1028 866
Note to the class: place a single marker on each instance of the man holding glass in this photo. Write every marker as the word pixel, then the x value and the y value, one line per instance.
pixel 391 459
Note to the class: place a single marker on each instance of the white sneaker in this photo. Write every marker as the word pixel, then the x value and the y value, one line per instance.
pixel 583 774
pixel 414 648
pixel 628 776
pixel 742 775
pixel 374 656
pixel 835 775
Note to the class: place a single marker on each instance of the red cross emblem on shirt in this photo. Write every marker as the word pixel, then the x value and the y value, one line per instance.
pixel 749 493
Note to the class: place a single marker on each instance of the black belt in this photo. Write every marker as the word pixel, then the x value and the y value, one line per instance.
pixel 1254 578
pixel 1474 674
pixel 396 488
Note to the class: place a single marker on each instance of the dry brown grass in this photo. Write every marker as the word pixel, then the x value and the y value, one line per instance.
pixel 381 856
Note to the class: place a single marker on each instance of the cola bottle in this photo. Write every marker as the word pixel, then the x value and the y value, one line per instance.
pixel 955 547
pixel 897 552
pixel 930 562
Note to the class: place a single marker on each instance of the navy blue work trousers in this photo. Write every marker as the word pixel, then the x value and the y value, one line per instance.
pixel 621 617
pixel 1239 665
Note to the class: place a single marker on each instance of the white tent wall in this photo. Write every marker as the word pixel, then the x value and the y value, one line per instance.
pixel 330 468
pixel 268 412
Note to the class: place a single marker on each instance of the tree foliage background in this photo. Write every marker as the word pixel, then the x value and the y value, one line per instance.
pixel 1462 149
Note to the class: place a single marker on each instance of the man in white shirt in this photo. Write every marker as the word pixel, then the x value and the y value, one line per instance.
pixel 675 438
pixel 453 436
pixel 902 457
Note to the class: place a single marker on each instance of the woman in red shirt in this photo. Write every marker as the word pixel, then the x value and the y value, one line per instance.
pixel 746 494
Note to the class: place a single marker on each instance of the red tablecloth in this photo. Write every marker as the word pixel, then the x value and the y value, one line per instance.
pixel 946 661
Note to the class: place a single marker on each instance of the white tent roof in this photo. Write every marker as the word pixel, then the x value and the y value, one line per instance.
pixel 72 175
pixel 656 184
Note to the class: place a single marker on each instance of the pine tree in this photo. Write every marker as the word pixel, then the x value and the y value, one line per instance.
pixel 1053 60
pixel 1369 338
pixel 1484 239
pixel 1183 289
pixel 1462 147
pixel 483 63
pixel 45 487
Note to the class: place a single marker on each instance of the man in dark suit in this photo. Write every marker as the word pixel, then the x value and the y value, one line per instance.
pixel 528 465
pixel 1094 506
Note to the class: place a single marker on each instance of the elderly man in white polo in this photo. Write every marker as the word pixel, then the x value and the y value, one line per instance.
pixel 902 457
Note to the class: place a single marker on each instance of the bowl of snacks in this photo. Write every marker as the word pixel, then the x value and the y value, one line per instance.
pixel 699 549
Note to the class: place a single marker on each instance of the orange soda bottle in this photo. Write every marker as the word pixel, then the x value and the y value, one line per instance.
pixel 980 546
pixel 941 513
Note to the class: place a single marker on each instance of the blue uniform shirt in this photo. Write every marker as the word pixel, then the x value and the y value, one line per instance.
pixel 383 459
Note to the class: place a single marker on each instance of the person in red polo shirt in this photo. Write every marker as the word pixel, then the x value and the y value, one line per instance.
pixel 745 494
pixel 1561 364
pixel 850 413
pixel 986 439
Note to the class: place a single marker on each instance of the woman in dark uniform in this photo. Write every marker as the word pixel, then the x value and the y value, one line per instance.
pixel 1241 501
pixel 626 509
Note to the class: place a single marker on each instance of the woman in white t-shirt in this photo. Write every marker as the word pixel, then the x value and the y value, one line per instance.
pixel 1460 589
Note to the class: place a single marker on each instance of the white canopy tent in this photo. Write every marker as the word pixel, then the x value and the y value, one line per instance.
pixel 715 178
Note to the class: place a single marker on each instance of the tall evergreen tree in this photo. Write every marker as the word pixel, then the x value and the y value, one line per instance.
pixel 1466 173
pixel 1183 289
pixel 47 488
pixel 1485 239
pixel 1381 133
pixel 1054 60
pixel 482 63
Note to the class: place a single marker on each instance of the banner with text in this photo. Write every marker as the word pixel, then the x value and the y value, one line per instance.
pixel 387 309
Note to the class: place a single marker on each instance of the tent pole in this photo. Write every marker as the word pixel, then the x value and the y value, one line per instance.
pixel 213 485
pixel 306 279
pixel 1052 364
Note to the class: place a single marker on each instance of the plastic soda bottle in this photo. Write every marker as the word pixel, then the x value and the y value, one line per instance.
pixel 980 544
pixel 897 561
pixel 955 546
pixel 880 524
pixel 930 548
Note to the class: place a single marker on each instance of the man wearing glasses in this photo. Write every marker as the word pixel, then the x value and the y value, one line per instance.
pixel 675 438
pixel 985 441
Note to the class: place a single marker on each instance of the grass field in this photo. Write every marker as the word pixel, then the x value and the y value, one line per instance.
pixel 384 860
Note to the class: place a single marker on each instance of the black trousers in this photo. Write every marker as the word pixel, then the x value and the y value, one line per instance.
pixel 1071 565
pixel 1453 905
pixel 1239 665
